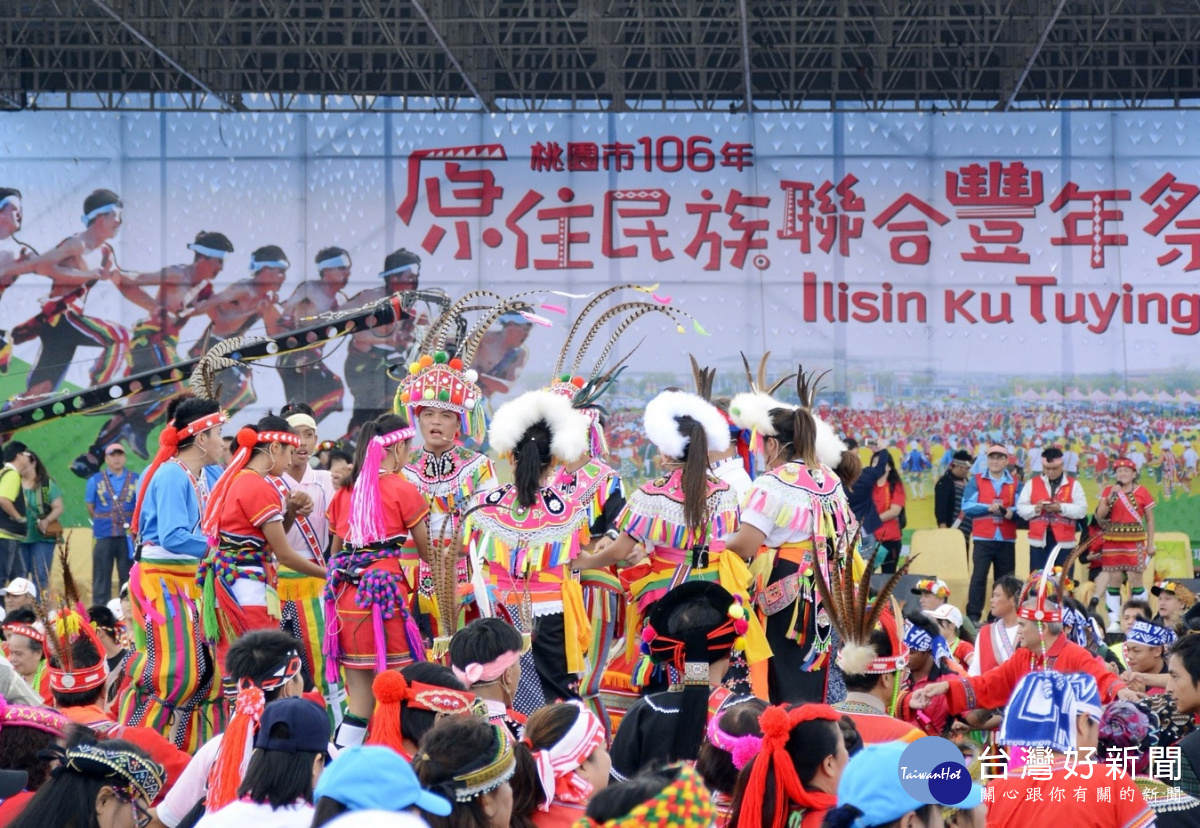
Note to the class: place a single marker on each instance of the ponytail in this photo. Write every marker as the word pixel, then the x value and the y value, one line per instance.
pixel 695 473
pixel 849 468
pixel 531 460
pixel 797 429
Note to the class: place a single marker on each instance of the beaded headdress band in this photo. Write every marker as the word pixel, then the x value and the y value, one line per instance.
pixel 485 774
pixel 136 772
pixel 66 622
pixel 39 718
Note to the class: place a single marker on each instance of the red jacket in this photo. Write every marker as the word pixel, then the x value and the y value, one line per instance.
pixel 994 688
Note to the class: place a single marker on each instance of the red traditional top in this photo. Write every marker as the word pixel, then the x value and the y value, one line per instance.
pixel 403 507
pixel 994 688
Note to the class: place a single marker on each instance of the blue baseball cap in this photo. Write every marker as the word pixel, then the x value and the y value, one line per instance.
pixel 376 778
pixel 871 783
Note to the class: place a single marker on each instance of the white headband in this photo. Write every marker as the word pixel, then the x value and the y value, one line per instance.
pixel 256 265
pixel 99 211
pixel 410 266
pixel 565 756
pixel 211 252
pixel 340 260
pixel 11 199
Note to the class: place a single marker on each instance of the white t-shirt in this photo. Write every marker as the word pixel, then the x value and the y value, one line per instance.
pixel 192 784
pixel 732 471
pixel 317 484
pixel 245 814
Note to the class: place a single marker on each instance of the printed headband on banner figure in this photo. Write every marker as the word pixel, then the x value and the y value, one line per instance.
pixel 10 199
pixel 210 252
pixel 112 207
pixel 557 765
pixel 483 775
pixel 340 260
pixel 168 446
pixel 366 507
pixel 256 265
pixel 225 775
pixel 246 441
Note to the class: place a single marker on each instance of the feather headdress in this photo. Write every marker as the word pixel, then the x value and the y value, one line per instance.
pixel 855 615
pixel 66 622
pixel 585 392
pixel 751 410
pixel 568 427
pixel 1048 587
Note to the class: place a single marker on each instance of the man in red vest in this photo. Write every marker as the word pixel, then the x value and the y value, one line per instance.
pixel 1052 502
pixel 991 501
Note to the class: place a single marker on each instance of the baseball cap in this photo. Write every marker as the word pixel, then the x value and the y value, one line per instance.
pixel 935 586
pixel 20 586
pixel 1164 586
pixel 307 724
pixel 871 783
pixel 946 612
pixel 997 449
pixel 375 778
pixel 113 447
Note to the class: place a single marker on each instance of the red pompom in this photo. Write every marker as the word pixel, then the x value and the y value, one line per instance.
pixel 247 437
pixel 648 634
pixel 775 724
pixel 390 687
pixel 578 382
pixel 169 438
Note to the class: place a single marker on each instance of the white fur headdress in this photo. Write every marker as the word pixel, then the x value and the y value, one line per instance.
pixel 568 427
pixel 830 447
pixel 662 427
pixel 751 411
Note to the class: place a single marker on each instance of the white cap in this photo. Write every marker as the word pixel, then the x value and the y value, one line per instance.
pixel 946 612
pixel 20 586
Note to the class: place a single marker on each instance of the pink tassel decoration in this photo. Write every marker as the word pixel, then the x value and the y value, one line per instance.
pixel 366 510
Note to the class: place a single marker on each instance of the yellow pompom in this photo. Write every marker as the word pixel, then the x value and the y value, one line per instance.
pixel 739 643
pixel 428 394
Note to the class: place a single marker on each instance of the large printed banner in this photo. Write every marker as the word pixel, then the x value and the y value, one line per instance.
pixel 1026 277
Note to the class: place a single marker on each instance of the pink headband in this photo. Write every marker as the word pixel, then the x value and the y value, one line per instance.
pixel 484 673
pixel 557 764
pixel 742 749
pixel 366 510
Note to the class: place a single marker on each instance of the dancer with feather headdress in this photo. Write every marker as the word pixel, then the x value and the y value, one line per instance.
pixel 450 475
pixel 593 483
pixel 791 519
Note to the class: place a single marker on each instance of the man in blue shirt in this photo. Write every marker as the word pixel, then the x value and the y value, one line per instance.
pixel 990 500
pixel 111 493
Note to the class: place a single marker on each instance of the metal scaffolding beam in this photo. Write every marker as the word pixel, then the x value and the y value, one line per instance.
pixel 619 55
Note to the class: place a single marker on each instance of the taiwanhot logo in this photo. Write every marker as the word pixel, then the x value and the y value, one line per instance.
pixel 932 771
